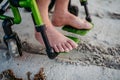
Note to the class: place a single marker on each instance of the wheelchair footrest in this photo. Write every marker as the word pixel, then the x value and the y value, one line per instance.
pixel 76 40
pixel 81 32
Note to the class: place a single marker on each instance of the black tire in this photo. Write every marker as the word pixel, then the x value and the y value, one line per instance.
pixel 73 9
pixel 15 38
pixel 13 48
pixel 19 45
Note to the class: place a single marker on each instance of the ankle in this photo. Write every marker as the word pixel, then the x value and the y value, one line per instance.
pixel 59 18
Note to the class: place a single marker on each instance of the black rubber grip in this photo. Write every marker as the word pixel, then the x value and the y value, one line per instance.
pixel 50 51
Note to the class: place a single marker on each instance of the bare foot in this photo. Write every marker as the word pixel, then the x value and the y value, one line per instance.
pixel 66 18
pixel 59 42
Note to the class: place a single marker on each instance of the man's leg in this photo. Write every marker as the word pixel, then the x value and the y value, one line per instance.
pixel 62 17
pixel 59 42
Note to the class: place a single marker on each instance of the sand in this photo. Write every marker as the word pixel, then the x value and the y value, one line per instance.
pixel 96 58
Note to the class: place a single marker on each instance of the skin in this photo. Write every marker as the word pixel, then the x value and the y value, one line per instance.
pixel 61 17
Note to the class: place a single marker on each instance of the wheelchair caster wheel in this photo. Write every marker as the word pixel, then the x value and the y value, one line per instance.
pixel 13 44
pixel 13 48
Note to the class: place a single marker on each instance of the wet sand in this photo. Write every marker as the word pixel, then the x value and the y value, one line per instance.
pixel 96 58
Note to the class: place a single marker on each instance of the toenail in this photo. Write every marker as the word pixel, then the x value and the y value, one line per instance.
pixel 67 50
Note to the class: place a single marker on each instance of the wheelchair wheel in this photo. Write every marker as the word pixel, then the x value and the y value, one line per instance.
pixel 73 9
pixel 13 49
pixel 13 44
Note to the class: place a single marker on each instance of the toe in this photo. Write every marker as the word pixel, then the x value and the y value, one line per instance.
pixel 87 25
pixel 60 48
pixel 68 45
pixel 72 43
pixel 56 48
pixel 65 48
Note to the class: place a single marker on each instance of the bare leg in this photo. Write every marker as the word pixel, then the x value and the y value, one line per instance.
pixel 59 42
pixel 62 17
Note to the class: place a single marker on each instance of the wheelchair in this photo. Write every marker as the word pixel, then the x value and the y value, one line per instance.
pixel 11 39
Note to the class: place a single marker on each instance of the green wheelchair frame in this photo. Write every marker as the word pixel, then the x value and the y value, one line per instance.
pixel 12 37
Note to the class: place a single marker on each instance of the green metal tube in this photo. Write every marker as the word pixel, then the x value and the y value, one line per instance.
pixel 17 17
pixel 36 12
pixel 24 3
pixel 3 17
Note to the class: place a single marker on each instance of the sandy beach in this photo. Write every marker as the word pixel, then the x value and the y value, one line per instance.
pixel 96 58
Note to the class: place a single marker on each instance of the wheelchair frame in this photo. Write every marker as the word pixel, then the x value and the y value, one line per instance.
pixel 8 21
